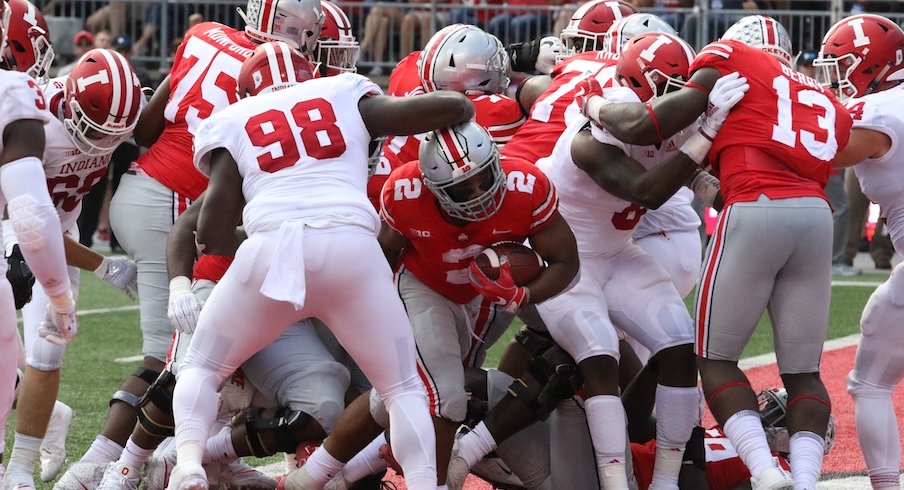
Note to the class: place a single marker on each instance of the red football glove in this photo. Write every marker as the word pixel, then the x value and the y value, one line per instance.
pixel 502 291
pixel 586 90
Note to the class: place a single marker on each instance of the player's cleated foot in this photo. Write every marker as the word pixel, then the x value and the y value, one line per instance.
pixel 300 480
pixel 53 448
pixel 82 475
pixel 188 476
pixel 773 478
pixel 119 476
pixel 14 480
pixel 237 475
pixel 338 482
pixel 457 473
pixel 160 465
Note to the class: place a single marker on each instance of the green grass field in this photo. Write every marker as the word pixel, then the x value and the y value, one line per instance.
pixel 91 372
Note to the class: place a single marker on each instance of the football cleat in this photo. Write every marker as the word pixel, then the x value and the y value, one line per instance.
pixel 160 465
pixel 237 475
pixel 119 476
pixel 82 475
pixel 18 481
pixel 53 448
pixel 188 476
pixel 772 478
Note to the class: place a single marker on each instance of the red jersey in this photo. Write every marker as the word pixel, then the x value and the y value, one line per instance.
pixel 724 468
pixel 555 109
pixel 439 251
pixel 202 81
pixel 781 138
pixel 500 115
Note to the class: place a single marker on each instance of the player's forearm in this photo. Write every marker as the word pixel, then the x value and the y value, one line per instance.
pixel 80 256
pixel 151 121
pixel 180 249
pixel 414 115
pixel 557 245
pixel 658 184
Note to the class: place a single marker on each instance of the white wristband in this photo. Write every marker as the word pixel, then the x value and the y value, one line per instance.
pixel 697 147
pixel 63 303
pixel 101 270
pixel 705 186
pixel 594 104
pixel 179 285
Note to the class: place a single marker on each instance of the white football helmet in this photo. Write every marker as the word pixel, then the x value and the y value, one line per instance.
pixel 633 25
pixel 461 166
pixel 463 58
pixel 297 22
pixel 773 403
pixel 765 33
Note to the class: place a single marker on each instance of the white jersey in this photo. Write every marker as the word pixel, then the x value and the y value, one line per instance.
pixel 302 153
pixel 882 179
pixel 70 173
pixel 602 223
pixel 676 214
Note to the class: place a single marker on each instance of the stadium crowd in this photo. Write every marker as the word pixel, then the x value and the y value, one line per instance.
pixel 321 264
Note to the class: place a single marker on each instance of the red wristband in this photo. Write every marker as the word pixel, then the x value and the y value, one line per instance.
pixel 655 121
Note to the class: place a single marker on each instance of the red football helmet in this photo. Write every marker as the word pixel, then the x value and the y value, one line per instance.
pixel 28 48
pixel 337 48
pixel 103 99
pixel 586 31
pixel 654 63
pixel 273 66
pixel 860 52
pixel 296 22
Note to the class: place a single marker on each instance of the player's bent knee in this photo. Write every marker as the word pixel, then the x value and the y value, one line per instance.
pixel 155 407
pixel 45 356
pixel 857 387
pixel 269 435
pixel 144 375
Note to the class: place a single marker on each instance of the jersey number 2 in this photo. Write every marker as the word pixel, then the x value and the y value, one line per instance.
pixel 315 122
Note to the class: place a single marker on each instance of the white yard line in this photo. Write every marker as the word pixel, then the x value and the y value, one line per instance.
pixel 767 359
pixel 861 284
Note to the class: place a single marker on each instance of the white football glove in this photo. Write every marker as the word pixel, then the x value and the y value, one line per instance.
pixel 728 91
pixel 184 307
pixel 61 324
pixel 550 49
pixel 121 273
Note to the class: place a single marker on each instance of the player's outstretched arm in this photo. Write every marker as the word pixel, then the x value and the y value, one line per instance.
pixel 221 211
pixel 385 115
pixel 863 143
pixel 118 271
pixel 531 90
pixel 180 243
pixel 652 122
pixel 557 246
pixel 623 177
pixel 151 120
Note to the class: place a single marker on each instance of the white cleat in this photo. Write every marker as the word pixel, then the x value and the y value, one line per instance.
pixel 53 449
pixel 119 476
pixel 237 475
pixel 338 482
pixel 82 475
pixel 774 478
pixel 188 476
pixel 301 480
pixel 18 481
pixel 457 473
pixel 160 465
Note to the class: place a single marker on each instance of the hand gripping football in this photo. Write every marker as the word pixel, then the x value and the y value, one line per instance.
pixel 525 263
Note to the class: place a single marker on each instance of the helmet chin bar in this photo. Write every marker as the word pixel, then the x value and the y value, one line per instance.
pixel 79 125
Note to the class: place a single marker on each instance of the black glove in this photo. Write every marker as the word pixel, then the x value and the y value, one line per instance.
pixel 20 277
pixel 523 56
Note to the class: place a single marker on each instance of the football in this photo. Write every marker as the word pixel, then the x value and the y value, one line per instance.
pixel 526 264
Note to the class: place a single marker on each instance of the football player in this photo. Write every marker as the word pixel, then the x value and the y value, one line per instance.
pixel 337 49
pixel 606 187
pixel 162 183
pixel 78 148
pixel 319 149
pixel 462 58
pixel 861 58
pixel 773 158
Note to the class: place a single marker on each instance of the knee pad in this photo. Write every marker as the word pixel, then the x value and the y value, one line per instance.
pixel 551 377
pixel 160 394
pixel 534 340
pixel 131 399
pixel 270 435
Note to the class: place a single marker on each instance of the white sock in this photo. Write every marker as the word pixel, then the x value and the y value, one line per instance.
pixel 745 431
pixel 474 445
pixel 25 453
pixel 807 450
pixel 442 487
pixel 322 466
pixel 219 447
pixel 606 420
pixel 367 462
pixel 877 431
pixel 135 455
pixel 194 410
pixel 102 450
pixel 674 424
